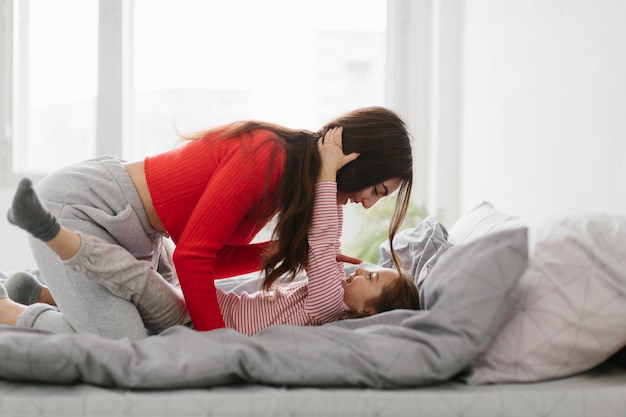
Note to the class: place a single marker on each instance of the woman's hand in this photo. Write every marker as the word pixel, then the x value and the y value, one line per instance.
pixel 331 153
pixel 348 259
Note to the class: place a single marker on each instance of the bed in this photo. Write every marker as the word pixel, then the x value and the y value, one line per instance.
pixel 521 318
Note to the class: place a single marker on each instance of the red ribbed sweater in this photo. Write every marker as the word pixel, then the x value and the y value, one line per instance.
pixel 213 197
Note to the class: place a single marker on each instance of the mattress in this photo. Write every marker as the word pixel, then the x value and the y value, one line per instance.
pixel 600 392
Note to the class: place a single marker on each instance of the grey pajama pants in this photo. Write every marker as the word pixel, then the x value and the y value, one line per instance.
pixel 97 198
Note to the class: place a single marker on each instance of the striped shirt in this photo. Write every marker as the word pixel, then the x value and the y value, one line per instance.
pixel 316 301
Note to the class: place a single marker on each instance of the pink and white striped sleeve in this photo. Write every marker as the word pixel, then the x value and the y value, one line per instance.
pixel 340 265
pixel 325 294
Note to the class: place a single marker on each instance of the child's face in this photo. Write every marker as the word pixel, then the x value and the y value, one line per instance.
pixel 363 285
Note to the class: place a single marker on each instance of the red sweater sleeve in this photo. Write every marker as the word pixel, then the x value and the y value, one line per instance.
pixel 235 260
pixel 228 208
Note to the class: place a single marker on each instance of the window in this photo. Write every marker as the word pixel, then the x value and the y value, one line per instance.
pixel 81 78
pixel 55 57
pixel 203 63
pixel 177 66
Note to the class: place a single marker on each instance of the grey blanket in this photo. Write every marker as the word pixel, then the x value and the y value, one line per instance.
pixel 468 291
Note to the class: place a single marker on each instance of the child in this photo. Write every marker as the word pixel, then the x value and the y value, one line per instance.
pixel 327 295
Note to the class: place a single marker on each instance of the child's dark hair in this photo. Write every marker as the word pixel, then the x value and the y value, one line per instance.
pixel 401 293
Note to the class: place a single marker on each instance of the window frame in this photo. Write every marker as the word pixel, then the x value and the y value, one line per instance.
pixel 6 93
pixel 114 101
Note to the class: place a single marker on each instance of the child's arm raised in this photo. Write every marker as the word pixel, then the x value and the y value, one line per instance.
pixel 325 294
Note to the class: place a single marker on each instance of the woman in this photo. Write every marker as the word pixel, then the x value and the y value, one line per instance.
pixel 212 196
pixel 328 295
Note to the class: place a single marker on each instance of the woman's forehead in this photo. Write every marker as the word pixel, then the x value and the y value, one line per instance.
pixel 392 184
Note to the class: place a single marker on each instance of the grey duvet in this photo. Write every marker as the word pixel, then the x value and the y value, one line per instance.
pixel 484 301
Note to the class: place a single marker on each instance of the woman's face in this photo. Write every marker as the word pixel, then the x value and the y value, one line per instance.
pixel 370 196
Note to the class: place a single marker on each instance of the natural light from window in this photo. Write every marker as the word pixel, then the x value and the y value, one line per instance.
pixel 56 82
pixel 194 64
pixel 203 63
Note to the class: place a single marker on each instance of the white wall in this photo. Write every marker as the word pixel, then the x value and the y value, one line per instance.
pixel 544 105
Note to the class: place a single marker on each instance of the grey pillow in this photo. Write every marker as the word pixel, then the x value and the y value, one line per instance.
pixel 468 296
pixel 469 293
pixel 468 277
pixel 418 247
pixel 569 311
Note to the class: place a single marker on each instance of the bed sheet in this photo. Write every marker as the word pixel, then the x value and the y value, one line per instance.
pixel 600 392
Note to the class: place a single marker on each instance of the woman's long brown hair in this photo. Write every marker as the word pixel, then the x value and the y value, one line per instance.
pixel 382 140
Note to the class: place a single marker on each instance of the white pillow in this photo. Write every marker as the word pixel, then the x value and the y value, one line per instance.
pixel 480 221
pixel 569 311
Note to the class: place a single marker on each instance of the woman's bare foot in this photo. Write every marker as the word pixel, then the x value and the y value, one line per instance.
pixel 46 297
pixel 10 311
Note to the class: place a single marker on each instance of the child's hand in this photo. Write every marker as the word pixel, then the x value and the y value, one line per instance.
pixel 331 153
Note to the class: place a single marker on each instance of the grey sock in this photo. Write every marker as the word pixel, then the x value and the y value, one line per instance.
pixel 3 291
pixel 29 213
pixel 23 288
